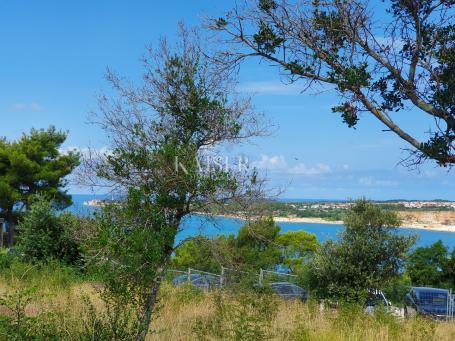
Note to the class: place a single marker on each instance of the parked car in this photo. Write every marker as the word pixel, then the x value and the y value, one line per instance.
pixel 375 299
pixel 431 302
pixel 289 290
pixel 201 281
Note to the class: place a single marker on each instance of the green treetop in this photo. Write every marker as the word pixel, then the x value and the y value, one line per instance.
pixel 30 166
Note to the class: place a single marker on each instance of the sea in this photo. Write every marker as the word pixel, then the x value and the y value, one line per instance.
pixel 213 226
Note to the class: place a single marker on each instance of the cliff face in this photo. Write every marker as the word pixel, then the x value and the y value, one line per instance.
pixel 428 219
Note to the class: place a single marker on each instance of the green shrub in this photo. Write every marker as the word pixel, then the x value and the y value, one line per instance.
pixel 239 316
pixel 69 250
pixel 368 254
pixel 5 261
pixel 47 277
pixel 118 322
pixel 188 292
pixel 44 235
pixel 17 325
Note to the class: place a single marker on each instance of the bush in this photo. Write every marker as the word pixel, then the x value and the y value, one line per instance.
pixel 47 277
pixel 44 235
pixel 118 322
pixel 432 266
pixel 368 254
pixel 243 315
pixel 16 324
pixel 69 250
pixel 5 260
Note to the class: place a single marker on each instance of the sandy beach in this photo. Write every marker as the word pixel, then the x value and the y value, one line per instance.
pixel 430 221
pixel 414 220
pixel 306 220
pixel 422 220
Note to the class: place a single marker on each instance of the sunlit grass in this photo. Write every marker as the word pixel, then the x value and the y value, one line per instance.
pixel 186 313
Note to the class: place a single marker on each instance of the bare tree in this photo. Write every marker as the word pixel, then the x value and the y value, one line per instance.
pixel 378 60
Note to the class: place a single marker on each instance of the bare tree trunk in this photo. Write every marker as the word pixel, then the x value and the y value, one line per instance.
pixel 150 305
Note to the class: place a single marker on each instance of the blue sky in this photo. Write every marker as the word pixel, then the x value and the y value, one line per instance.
pixel 55 53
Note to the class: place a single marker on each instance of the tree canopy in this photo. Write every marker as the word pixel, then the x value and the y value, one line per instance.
pixel 258 245
pixel 432 266
pixel 297 249
pixel 368 255
pixel 33 166
pixel 380 57
pixel 160 131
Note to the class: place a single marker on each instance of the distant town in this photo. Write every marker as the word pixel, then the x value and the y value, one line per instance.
pixel 398 204
pixel 427 214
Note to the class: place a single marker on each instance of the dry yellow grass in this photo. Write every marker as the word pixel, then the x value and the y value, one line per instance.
pixel 180 310
pixel 297 321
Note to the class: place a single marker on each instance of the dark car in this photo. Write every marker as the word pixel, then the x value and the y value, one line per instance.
pixel 201 281
pixel 289 290
pixel 432 302
pixel 375 298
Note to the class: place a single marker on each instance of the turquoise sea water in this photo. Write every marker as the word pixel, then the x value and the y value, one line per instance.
pixel 194 225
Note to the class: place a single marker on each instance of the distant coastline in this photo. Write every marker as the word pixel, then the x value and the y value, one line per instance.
pixel 430 220
pixel 434 226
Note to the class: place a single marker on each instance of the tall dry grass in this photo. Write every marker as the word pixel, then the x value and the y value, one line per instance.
pixel 188 314
pixel 294 320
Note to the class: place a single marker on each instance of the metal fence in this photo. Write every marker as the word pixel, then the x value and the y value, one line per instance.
pixel 202 279
pixel 266 277
pixel 450 306
pixel 227 277
pixel 232 277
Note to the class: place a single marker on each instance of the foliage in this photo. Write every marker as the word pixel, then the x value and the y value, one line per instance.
pixel 204 254
pixel 16 302
pixel 243 316
pixel 46 277
pixel 56 313
pixel 130 241
pixel 22 327
pixel 297 249
pixel 349 322
pixel 258 245
pixel 255 245
pixel 33 166
pixel 188 293
pixel 73 231
pixel 284 209
pixel 431 266
pixel 368 254
pixel 159 130
pixel 118 322
pixel 29 285
pixel 396 289
pixel 44 235
pixel 5 259
pixel 334 44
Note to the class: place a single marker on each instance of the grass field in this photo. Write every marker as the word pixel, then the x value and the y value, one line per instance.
pixel 53 298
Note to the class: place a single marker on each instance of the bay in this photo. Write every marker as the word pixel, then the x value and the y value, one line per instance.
pixel 212 226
